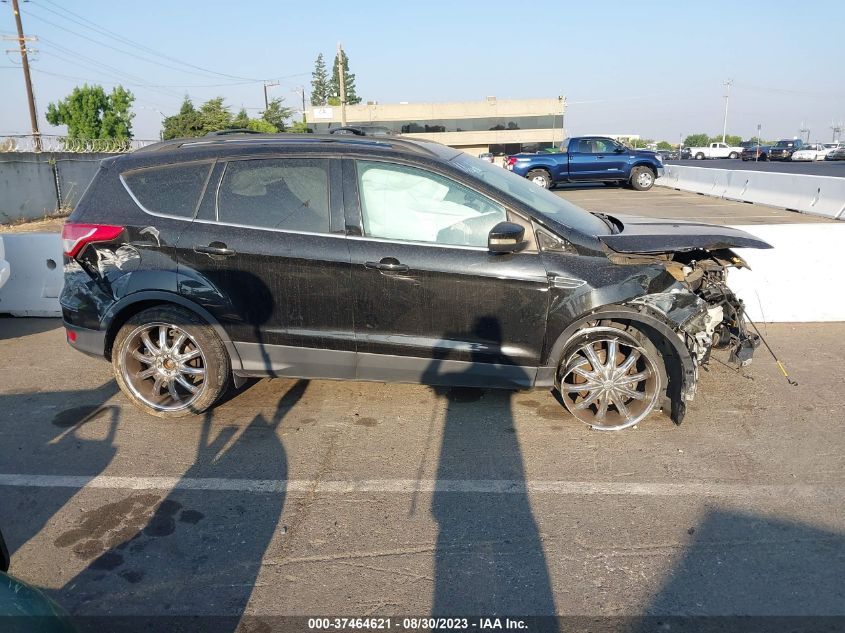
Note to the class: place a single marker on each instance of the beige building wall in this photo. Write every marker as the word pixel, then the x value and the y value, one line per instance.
pixel 473 142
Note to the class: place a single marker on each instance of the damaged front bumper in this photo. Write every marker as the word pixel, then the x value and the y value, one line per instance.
pixel 713 318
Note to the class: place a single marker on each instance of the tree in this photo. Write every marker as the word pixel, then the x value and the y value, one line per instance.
pixel 664 145
pixel 90 113
pixel 214 115
pixel 731 139
pixel 186 123
pixel 334 85
pixel 276 114
pixel 697 140
pixel 319 83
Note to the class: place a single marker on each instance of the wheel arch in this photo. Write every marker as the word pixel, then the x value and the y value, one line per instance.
pixel 134 303
pixel 680 367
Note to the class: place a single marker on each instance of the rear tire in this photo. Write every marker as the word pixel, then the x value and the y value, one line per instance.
pixel 642 178
pixel 540 177
pixel 169 362
pixel 733 155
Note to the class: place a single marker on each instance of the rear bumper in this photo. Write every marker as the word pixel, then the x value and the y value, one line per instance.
pixel 85 340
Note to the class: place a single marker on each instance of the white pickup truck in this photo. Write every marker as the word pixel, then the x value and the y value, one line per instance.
pixel 715 150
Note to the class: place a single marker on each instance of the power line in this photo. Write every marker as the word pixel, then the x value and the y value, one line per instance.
pixel 120 38
pixel 99 66
pixel 125 52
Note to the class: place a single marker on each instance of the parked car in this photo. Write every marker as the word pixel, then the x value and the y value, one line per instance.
pixel 362 130
pixel 486 156
pixel 811 152
pixel 191 264
pixel 589 159
pixel 5 268
pixel 685 153
pixel 784 149
pixel 836 153
pixel 756 152
pixel 715 150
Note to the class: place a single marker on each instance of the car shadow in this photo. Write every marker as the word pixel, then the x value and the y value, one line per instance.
pixel 191 558
pixel 489 556
pixel 43 435
pixel 14 327
pixel 749 572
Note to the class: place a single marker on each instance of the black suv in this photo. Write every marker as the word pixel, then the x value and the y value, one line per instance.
pixel 194 263
pixel 783 150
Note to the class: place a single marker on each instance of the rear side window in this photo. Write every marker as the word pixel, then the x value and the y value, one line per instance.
pixel 169 189
pixel 289 194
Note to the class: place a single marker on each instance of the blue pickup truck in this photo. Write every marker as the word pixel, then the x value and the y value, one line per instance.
pixel 590 159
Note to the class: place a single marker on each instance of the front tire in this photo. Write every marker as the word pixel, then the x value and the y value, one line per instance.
pixel 699 156
pixel 540 177
pixel 611 376
pixel 642 178
pixel 169 362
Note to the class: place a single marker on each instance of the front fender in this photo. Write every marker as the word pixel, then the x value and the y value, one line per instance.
pixel 682 374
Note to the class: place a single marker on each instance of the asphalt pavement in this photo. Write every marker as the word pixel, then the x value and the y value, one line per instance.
pixel 834 168
pixel 342 498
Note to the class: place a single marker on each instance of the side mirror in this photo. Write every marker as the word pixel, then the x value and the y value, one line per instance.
pixel 506 237
pixel 619 150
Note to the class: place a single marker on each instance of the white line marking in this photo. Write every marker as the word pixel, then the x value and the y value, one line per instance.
pixel 407 486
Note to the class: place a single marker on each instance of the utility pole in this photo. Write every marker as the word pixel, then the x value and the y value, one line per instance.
pixel 342 81
pixel 563 122
pixel 300 90
pixel 803 129
pixel 22 40
pixel 836 128
pixel 727 84
pixel 268 84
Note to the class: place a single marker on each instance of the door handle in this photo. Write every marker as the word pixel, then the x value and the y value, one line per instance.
pixel 218 249
pixel 388 264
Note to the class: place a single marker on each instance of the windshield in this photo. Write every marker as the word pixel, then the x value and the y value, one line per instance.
pixel 539 199
pixel 785 144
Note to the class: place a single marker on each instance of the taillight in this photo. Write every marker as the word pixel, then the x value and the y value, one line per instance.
pixel 511 160
pixel 76 236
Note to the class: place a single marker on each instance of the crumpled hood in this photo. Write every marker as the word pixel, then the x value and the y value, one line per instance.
pixel 657 235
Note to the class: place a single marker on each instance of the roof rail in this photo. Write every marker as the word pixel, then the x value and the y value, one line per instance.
pixel 233 137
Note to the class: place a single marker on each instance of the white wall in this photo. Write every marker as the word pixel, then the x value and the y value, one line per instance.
pixel 799 279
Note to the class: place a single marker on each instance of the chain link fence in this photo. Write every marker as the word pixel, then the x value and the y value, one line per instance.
pixel 52 143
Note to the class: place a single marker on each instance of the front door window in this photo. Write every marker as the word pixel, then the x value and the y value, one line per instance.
pixel 414 205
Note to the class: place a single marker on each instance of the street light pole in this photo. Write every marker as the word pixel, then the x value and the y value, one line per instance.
pixel 727 85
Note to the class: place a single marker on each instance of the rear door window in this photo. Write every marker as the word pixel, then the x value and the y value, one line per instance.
pixel 169 189
pixel 288 194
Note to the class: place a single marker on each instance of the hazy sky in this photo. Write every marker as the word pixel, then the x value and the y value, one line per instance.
pixel 652 68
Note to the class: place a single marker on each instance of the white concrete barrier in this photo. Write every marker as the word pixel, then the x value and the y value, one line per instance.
pixel 36 278
pixel 819 195
pixel 797 280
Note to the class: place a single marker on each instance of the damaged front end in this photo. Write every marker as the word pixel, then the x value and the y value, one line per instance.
pixel 703 310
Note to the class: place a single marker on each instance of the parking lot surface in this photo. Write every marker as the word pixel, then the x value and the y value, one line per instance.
pixel 664 202
pixel 835 168
pixel 331 498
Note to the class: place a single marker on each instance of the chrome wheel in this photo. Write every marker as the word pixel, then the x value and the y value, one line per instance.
pixel 645 179
pixel 163 366
pixel 609 382
pixel 540 180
